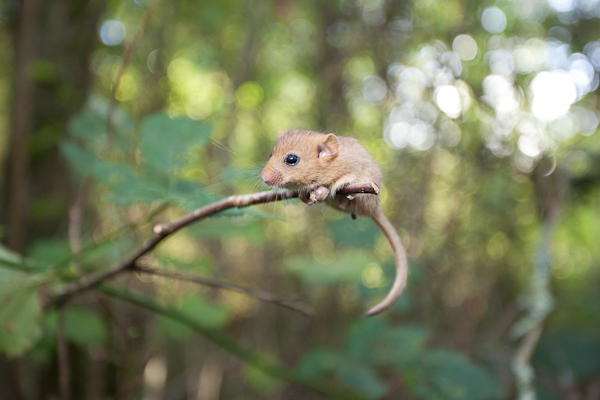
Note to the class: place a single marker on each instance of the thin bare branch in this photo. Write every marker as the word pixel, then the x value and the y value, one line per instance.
pixel 64 372
pixel 128 53
pixel 76 218
pixel 220 284
pixel 237 201
pixel 113 317
pixel 161 231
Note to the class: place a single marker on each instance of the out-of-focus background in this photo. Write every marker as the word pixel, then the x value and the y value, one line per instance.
pixel 116 115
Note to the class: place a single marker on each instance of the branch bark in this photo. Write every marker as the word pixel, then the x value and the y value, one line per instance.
pixel 162 231
pixel 217 283
pixel 538 301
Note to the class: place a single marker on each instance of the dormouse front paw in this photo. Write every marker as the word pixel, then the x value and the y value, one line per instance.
pixel 318 194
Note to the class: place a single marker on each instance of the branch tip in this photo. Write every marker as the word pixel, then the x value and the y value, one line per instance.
pixel 159 229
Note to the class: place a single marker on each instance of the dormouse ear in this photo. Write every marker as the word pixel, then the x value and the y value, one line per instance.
pixel 329 146
pixel 279 134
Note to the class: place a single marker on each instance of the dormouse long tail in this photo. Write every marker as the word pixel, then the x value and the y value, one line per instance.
pixel 401 263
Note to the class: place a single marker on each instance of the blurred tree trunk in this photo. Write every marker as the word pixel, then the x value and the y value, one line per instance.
pixel 22 125
pixel 53 41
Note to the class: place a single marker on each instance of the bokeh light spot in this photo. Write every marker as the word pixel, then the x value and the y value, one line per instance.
pixel 450 132
pixel 374 89
pixel 447 99
pixel 300 30
pixel 360 67
pixel 112 32
pixel 502 62
pixel 422 137
pixel 498 246
pixel 553 93
pixel 249 95
pixel 562 5
pixel 529 146
pixel 155 372
pixel 372 276
pixel 465 46
pixel 127 88
pixel 493 20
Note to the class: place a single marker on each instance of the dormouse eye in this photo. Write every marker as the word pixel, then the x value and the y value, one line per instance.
pixel 271 155
pixel 291 159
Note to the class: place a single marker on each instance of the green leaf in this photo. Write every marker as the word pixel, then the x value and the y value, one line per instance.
pixel 81 160
pixel 90 128
pixel 260 380
pixel 112 172
pixel 317 363
pixel 374 342
pixel 133 189
pixel 454 377
pixel 82 327
pixel 9 258
pixel 346 268
pixel 570 351
pixel 361 377
pixel 20 313
pixel 206 313
pixel 400 345
pixel 50 251
pixel 166 142
pixel 217 228
pixel 192 196
pixel 174 330
pixel 362 335
pixel 321 362
pixel 126 186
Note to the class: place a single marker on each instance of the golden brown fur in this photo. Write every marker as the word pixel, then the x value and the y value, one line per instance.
pixel 351 164
pixel 326 164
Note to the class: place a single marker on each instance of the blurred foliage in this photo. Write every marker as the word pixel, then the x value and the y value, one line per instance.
pixel 428 373
pixel 474 111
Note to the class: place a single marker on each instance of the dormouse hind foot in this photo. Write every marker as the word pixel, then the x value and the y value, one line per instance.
pixel 344 200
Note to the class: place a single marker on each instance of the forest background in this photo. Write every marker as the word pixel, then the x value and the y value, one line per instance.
pixel 118 115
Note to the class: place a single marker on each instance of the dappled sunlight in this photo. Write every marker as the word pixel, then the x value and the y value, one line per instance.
pixel 482 116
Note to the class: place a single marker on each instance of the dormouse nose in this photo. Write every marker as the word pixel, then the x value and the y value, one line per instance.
pixel 266 177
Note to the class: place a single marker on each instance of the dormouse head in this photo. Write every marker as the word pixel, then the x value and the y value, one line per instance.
pixel 300 159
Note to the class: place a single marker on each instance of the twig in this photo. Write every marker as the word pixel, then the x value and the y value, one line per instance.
pixel 161 231
pixel 331 389
pixel 521 365
pixel 113 317
pixel 217 283
pixel 64 373
pixel 237 201
pixel 76 219
pixel 128 53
